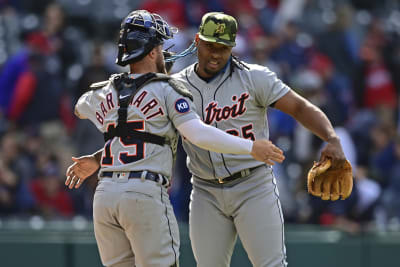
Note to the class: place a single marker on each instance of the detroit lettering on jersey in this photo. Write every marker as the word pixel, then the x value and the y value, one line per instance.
pixel 149 108
pixel 215 113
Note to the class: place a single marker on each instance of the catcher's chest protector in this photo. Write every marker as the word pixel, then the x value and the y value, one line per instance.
pixel 127 88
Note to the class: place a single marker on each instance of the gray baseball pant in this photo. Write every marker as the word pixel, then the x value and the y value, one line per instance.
pixel 250 208
pixel 134 224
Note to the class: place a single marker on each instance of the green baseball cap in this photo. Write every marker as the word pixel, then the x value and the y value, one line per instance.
pixel 218 27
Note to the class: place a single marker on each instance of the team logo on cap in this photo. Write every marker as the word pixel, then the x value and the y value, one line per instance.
pixel 182 106
pixel 220 28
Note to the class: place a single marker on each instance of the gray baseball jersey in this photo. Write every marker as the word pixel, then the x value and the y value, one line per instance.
pixel 133 219
pixel 235 101
pixel 157 108
pixel 236 104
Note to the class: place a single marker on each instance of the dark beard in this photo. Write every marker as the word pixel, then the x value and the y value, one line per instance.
pixel 160 65
pixel 212 73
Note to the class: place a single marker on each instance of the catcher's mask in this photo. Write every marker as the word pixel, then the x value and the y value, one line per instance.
pixel 140 32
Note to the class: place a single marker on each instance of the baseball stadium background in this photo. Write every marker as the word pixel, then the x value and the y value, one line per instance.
pixel 344 56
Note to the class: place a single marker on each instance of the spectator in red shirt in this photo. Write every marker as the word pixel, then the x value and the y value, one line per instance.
pixel 374 83
pixel 51 198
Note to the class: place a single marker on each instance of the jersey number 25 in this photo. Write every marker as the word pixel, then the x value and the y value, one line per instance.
pixel 246 132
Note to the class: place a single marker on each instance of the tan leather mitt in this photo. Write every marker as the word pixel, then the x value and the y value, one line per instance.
pixel 327 182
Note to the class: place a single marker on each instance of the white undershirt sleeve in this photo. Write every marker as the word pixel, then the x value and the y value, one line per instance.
pixel 213 139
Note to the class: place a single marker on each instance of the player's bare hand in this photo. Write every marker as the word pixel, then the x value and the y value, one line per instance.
pixel 81 169
pixel 265 151
pixel 333 150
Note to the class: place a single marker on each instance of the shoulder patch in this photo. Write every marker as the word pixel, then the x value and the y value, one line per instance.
pixel 182 106
pixel 180 88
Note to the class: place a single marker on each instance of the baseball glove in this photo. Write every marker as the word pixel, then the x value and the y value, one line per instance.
pixel 328 182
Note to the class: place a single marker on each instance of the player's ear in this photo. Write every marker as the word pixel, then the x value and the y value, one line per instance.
pixel 153 53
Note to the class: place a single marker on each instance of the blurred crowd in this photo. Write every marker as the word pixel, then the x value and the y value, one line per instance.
pixel 344 56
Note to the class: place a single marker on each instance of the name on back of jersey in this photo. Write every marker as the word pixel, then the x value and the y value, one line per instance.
pixel 149 108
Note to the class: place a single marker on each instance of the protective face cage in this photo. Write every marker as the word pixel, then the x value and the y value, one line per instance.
pixel 140 32
pixel 147 20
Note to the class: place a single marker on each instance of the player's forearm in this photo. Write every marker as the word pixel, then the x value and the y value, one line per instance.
pixel 213 139
pixel 311 117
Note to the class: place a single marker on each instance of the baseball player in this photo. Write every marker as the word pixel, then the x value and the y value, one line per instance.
pixel 140 114
pixel 239 194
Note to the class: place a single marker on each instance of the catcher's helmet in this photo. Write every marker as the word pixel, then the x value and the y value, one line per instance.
pixel 141 31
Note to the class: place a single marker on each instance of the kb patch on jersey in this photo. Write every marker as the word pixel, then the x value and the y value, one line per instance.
pixel 181 105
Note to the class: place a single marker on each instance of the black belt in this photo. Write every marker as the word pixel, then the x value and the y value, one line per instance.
pixel 152 176
pixel 233 177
